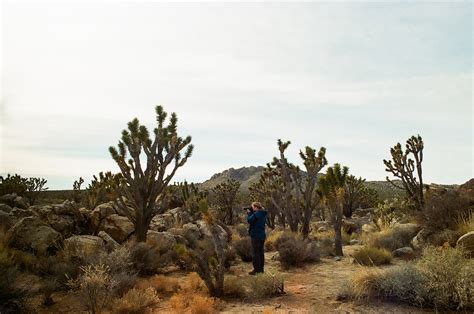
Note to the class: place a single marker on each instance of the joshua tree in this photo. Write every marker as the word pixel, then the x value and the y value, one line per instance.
pixel 144 187
pixel 13 184
pixel 102 189
pixel 76 188
pixel 226 194
pixel 34 187
pixel 207 256
pixel 403 167
pixel 313 164
pixel 331 191
pixel 354 189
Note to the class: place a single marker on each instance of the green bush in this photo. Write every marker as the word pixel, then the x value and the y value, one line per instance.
pixel 372 256
pixel 393 238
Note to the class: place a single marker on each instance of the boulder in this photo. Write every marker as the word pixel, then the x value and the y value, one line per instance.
pixel 406 253
pixel 204 229
pixel 110 243
pixel 19 213
pixel 118 227
pixel 5 208
pixel 6 221
pixel 101 212
pixel 14 200
pixel 84 245
pixel 30 233
pixel 161 241
pixel 162 222
pixel 467 242
pixel 191 230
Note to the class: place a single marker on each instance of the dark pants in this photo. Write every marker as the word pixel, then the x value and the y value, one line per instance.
pixel 258 254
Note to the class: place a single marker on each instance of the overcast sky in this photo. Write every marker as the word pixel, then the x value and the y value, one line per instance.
pixel 355 78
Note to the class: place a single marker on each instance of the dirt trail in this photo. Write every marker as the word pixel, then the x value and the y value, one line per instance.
pixel 314 289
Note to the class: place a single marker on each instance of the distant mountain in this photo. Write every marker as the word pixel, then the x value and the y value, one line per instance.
pixel 248 175
pixel 245 175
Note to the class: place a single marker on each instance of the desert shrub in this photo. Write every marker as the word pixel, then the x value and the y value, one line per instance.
pixel 465 223
pixel 136 301
pixel 449 277
pixel 193 283
pixel 236 287
pixel 443 209
pixel 266 285
pixel 393 238
pixel 243 248
pixel 145 260
pixel 270 241
pixel 295 252
pixel 202 305
pixel 389 212
pixel 230 256
pixel 372 256
pixel 442 278
pixel 164 284
pixel 95 287
pixel 241 230
pixel 194 303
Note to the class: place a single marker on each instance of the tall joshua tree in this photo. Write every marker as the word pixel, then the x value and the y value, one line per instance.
pixel 144 186
pixel 313 163
pixel 331 191
pixel 354 192
pixel 403 167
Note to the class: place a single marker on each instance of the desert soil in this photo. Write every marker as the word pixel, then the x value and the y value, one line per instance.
pixel 310 289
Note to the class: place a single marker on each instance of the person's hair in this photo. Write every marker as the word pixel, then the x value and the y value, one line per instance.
pixel 258 205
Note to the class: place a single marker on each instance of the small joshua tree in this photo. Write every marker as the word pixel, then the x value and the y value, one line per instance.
pixel 145 185
pixel 102 189
pixel 313 163
pixel 34 187
pixel 76 190
pixel 354 192
pixel 403 167
pixel 207 256
pixel 331 191
pixel 226 195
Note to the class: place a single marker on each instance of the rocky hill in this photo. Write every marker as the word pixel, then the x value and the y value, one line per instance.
pixel 248 175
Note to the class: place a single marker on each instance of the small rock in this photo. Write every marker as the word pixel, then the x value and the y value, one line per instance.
pixel 405 252
pixel 83 245
pixel 338 258
pixel 118 227
pixel 110 243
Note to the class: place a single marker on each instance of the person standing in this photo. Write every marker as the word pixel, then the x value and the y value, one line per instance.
pixel 257 218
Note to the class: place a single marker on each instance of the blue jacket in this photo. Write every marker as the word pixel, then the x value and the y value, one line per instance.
pixel 257 222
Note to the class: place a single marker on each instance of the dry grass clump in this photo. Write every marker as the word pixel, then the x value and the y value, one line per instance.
pixel 296 252
pixel 164 284
pixel 372 256
pixel 95 287
pixel 136 301
pixel 266 285
pixel 272 238
pixel 261 286
pixel 192 303
pixel 243 248
pixel 393 238
pixel 443 278
pixel 191 297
